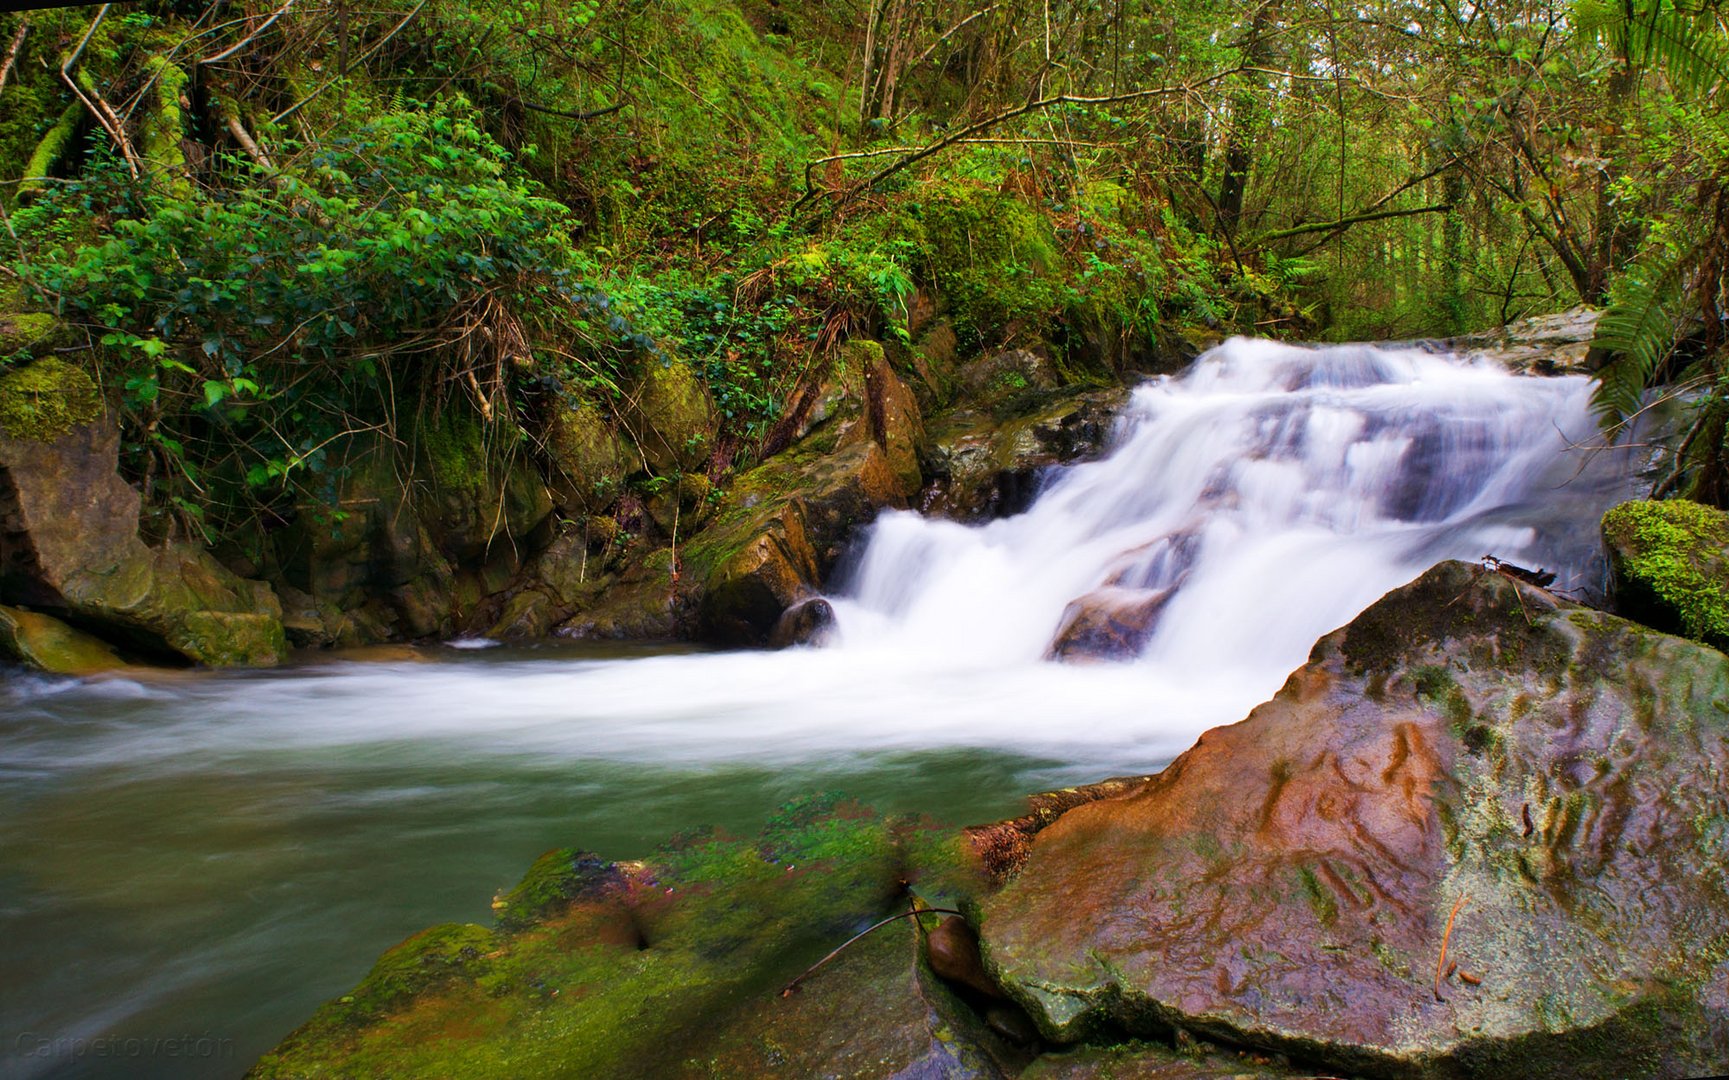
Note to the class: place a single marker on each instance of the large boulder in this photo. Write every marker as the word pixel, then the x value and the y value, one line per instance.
pixel 1554 344
pixel 1481 833
pixel 1669 567
pixel 588 460
pixel 69 539
pixel 483 497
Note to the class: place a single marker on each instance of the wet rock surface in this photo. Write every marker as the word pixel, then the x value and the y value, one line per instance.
pixel 46 644
pixel 1547 778
pixel 785 524
pixel 1555 344
pixel 984 467
pixel 1108 624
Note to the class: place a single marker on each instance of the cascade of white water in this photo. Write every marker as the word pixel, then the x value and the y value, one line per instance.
pixel 1259 500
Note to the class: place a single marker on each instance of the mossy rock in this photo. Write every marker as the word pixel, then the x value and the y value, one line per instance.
pixel 672 417
pixel 525 617
pixel 1670 567
pixel 485 493
pixel 555 881
pixel 613 971
pixel 48 398
pixel 588 461
pixel 46 644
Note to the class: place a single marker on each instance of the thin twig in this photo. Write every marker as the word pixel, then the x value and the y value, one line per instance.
pixel 298 105
pixel 1441 963
pixel 786 991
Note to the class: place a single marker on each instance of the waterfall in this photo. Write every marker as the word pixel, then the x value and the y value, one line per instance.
pixel 1248 506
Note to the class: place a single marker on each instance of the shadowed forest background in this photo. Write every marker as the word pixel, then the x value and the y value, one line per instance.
pixel 269 228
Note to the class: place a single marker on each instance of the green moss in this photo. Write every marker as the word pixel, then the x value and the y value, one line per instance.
pixel 46 400
pixel 993 256
pixel 714 924
pixel 1325 906
pixel 164 125
pixel 1668 560
pixel 49 150
pixel 23 333
pixel 417 964
pixel 555 879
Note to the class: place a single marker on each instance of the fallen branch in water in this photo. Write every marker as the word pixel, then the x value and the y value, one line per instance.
pixel 786 991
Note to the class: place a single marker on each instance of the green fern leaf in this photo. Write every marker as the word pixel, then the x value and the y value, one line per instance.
pixel 1639 331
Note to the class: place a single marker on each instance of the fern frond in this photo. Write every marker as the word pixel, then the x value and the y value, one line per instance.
pixel 1639 331
pixel 1691 49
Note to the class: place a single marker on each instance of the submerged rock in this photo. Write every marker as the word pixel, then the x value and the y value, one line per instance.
pixel 808 622
pixel 672 967
pixel 1470 764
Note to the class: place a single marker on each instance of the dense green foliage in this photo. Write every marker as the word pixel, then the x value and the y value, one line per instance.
pixel 279 231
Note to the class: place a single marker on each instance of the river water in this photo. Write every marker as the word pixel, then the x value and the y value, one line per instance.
pixel 190 863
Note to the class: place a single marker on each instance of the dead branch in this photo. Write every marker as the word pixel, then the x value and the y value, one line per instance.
pixel 787 990
pixel 12 51
pixel 979 126
pixel 590 114
pixel 98 108
pixel 1446 935
pixel 1347 222
pixel 243 42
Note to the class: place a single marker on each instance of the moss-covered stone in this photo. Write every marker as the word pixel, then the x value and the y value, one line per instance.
pixel 485 493
pixel 48 398
pixel 1670 566
pixel 588 461
pixel 672 417
pixel 624 971
pixel 46 644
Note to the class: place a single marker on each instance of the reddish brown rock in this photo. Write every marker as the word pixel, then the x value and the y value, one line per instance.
pixel 1557 775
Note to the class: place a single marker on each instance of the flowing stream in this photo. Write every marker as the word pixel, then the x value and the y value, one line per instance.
pixel 190 863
